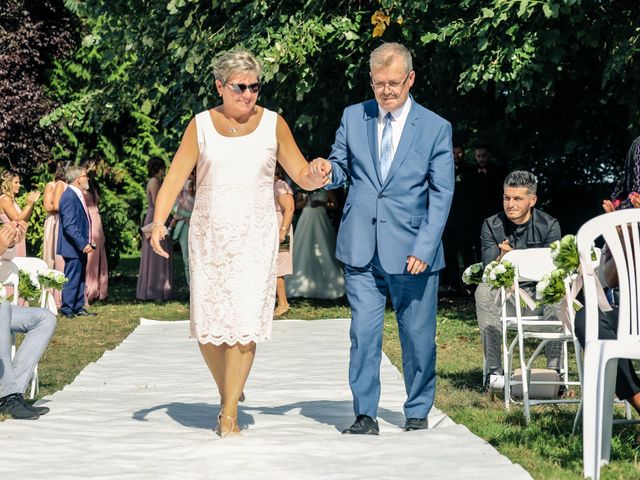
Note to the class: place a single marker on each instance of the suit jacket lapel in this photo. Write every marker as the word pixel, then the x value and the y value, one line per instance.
pixel 371 117
pixel 406 140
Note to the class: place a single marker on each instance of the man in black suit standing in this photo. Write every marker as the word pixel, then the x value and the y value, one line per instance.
pixel 74 242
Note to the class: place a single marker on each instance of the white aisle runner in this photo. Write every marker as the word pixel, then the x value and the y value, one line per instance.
pixel 146 410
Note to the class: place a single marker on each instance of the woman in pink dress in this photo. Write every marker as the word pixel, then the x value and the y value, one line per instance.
pixel 97 273
pixel 10 211
pixel 51 199
pixel 155 277
pixel 285 208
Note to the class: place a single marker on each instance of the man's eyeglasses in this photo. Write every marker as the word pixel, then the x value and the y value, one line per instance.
pixel 379 86
pixel 239 88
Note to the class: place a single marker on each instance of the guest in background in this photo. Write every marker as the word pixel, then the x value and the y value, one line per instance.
pixel 519 226
pixel 155 277
pixel 51 201
pixel 316 272
pixel 10 211
pixel 74 241
pixel 455 240
pixel 97 275
pixel 181 218
pixel 483 189
pixel 285 207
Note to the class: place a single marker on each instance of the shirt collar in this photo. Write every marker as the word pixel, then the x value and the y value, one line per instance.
pixel 397 114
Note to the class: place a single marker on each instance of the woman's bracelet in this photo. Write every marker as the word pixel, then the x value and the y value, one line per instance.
pixel 284 228
pixel 161 226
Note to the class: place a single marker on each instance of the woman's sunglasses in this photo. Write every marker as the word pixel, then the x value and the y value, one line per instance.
pixel 239 88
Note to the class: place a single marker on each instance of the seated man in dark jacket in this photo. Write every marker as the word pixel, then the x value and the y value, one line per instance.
pixel 519 226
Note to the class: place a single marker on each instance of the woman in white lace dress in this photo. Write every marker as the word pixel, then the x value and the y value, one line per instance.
pixel 233 239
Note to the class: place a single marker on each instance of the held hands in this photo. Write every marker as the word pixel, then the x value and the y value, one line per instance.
pixel 87 249
pixel 320 172
pixel 158 232
pixel 415 266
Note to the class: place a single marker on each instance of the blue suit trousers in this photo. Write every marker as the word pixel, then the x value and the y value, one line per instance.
pixel 414 299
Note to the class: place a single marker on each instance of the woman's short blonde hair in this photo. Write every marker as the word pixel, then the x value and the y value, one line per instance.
pixel 5 182
pixel 387 52
pixel 236 62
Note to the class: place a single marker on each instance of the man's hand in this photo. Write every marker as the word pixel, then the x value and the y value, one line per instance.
pixel 7 236
pixel 87 249
pixel 320 170
pixel 415 266
pixel 504 248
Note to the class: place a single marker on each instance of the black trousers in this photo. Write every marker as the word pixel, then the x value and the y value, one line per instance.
pixel 627 381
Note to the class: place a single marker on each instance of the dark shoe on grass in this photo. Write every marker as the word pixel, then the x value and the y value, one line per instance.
pixel 14 406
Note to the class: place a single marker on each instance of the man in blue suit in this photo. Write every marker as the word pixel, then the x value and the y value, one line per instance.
pixel 397 158
pixel 74 241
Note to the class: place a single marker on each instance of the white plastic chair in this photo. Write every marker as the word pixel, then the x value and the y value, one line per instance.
pixel 33 266
pixel 531 265
pixel 620 232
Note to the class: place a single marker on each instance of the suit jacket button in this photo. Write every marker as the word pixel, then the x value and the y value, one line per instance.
pixel 381 195
pixel 373 221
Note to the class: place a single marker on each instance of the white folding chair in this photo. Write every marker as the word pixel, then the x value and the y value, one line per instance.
pixel 621 233
pixel 33 266
pixel 530 265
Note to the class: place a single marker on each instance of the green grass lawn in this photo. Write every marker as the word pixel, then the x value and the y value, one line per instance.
pixel 545 447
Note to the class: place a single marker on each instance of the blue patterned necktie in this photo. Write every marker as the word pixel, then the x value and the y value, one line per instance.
pixel 386 147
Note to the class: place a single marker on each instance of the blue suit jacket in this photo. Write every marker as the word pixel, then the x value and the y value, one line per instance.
pixel 73 233
pixel 406 214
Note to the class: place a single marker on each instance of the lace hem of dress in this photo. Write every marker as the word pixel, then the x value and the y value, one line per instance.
pixel 230 339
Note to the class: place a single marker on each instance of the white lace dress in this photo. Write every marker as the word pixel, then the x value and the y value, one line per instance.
pixel 233 237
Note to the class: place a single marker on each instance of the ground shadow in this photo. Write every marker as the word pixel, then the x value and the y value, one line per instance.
pixel 335 413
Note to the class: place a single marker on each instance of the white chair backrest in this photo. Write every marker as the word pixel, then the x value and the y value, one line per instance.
pixel 9 277
pixel 622 235
pixel 30 264
pixel 531 263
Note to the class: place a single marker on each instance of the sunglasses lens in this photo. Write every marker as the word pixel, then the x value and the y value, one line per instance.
pixel 239 88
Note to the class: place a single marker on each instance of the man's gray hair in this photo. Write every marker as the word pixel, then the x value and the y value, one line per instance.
pixel 387 52
pixel 237 62
pixel 72 172
pixel 522 178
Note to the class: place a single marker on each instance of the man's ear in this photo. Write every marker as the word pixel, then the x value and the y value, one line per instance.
pixel 533 200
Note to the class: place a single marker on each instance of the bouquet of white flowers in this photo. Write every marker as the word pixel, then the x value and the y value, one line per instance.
pixel 564 253
pixel 551 288
pixel 473 274
pixel 28 287
pixel 499 274
pixel 52 279
pixel 3 293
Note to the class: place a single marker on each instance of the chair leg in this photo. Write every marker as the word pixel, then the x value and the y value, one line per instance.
pixel 576 420
pixel 590 427
pixel 525 380
pixel 608 390
pixel 34 384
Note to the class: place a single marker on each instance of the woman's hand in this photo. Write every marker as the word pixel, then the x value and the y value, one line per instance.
pixel 282 235
pixel 158 232
pixel 607 206
pixel 33 197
